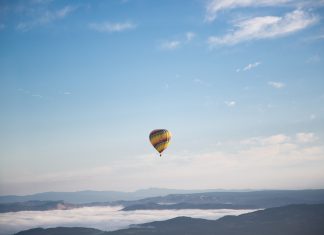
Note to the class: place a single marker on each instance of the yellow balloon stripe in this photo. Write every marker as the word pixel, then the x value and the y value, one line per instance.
pixel 159 137
pixel 162 146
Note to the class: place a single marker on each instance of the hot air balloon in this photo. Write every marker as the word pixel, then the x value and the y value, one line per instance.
pixel 160 139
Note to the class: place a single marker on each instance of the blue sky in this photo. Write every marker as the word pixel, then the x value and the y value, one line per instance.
pixel 238 83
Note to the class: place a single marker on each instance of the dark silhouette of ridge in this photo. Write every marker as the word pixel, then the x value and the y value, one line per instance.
pixel 62 231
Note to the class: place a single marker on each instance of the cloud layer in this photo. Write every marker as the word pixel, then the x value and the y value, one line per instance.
pixel 104 218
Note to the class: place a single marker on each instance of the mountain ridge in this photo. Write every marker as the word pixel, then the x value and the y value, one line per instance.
pixel 89 196
pixel 206 200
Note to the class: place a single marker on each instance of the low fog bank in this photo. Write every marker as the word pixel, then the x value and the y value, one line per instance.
pixel 103 218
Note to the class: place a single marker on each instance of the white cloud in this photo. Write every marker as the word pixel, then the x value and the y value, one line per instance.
pixel 112 27
pixel 231 103
pixel 61 13
pixel 249 67
pixel 277 85
pixel 174 44
pixel 270 140
pixel 170 45
pixel 29 93
pixel 190 36
pixel 67 93
pixel 265 27
pixel 45 17
pixel 284 151
pixel 305 137
pixel 275 139
pixel 103 218
pixel 215 6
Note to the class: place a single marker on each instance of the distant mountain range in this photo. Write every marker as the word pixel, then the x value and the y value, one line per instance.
pixel 206 200
pixel 35 206
pixel 287 220
pixel 179 206
pixel 248 200
pixel 97 196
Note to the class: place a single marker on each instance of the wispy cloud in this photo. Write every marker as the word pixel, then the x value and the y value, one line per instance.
pixel 37 96
pixel 265 27
pixel 170 45
pixel 45 17
pixel 287 150
pixel 249 66
pixel 2 26
pixel 305 137
pixel 112 27
pixel 231 103
pixel 270 140
pixel 185 39
pixel 26 92
pixel 190 36
pixel 215 6
pixel 276 85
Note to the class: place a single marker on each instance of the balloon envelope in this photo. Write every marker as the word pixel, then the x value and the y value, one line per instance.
pixel 160 139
